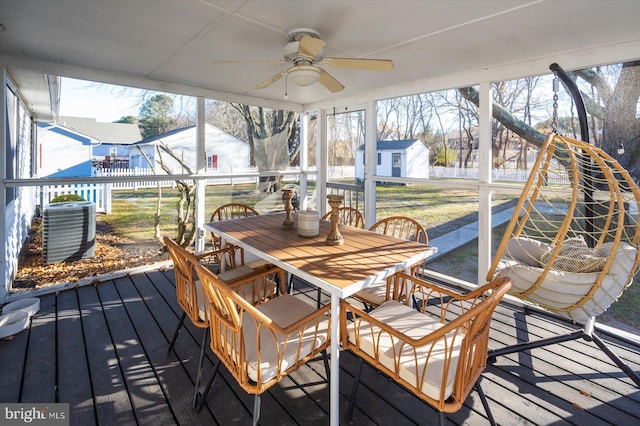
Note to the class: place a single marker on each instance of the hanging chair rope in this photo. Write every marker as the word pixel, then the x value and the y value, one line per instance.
pixel 571 245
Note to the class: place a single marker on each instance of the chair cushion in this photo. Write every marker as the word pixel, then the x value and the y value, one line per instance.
pixel 527 250
pixel 415 325
pixel 257 264
pixel 201 301
pixel 246 290
pixel 374 294
pixel 232 274
pixel 284 311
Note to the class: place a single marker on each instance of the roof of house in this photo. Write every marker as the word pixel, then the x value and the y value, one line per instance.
pixel 210 128
pixel 165 134
pixel 117 133
pixel 392 145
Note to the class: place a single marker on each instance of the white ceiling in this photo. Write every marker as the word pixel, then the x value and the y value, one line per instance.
pixel 170 44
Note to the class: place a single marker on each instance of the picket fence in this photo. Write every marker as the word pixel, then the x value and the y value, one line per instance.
pixel 100 194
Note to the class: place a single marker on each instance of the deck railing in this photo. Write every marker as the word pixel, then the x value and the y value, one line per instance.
pixel 353 194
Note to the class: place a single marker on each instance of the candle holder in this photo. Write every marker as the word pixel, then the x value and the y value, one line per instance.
pixel 334 238
pixel 287 195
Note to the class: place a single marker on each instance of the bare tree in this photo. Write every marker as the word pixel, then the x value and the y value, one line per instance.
pixel 156 217
pixel 610 95
pixel 273 139
pixel 186 203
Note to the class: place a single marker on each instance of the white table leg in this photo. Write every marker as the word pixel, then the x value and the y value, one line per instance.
pixel 334 385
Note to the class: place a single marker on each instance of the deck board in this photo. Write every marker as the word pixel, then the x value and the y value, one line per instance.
pixel 12 360
pixel 72 360
pixel 103 349
pixel 174 380
pixel 111 400
pixel 39 382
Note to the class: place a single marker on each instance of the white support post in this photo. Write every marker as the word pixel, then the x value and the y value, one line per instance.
pixel 370 162
pixel 484 192
pixel 4 273
pixel 107 197
pixel 304 159
pixel 201 163
pixel 322 162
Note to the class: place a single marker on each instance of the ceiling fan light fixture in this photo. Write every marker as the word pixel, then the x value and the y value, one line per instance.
pixel 303 75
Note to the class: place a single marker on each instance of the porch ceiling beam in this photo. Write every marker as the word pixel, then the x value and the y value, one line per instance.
pixel 139 82
pixel 600 55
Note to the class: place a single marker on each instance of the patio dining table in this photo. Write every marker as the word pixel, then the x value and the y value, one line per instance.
pixel 341 270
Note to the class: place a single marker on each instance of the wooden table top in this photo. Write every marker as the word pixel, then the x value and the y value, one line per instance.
pixel 364 257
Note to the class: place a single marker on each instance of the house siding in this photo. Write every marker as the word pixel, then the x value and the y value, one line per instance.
pixel 62 153
pixel 21 203
pixel 232 153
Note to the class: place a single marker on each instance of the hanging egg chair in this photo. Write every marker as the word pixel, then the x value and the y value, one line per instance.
pixel 571 246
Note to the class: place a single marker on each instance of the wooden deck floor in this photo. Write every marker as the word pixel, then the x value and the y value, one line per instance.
pixel 103 350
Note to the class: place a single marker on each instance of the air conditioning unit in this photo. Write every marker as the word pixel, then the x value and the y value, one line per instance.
pixel 68 231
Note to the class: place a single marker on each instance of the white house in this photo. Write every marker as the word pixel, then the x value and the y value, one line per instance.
pixel 69 146
pixel 225 153
pixel 397 158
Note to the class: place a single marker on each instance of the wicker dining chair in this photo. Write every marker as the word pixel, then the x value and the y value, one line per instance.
pixel 260 345
pixel 437 353
pixel 401 227
pixel 234 211
pixel 348 216
pixel 228 212
pixel 243 279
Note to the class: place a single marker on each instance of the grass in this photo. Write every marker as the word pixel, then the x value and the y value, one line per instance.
pixel 133 211
pixel 440 209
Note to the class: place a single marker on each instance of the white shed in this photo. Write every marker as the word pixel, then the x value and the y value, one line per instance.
pixel 225 153
pixel 397 158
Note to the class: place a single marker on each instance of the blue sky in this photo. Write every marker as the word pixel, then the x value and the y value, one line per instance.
pixel 79 98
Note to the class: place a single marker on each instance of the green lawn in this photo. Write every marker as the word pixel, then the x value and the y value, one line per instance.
pixel 440 209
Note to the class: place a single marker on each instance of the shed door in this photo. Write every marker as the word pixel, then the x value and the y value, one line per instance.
pixel 396 165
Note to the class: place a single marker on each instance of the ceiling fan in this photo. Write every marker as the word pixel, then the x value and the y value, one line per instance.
pixel 304 51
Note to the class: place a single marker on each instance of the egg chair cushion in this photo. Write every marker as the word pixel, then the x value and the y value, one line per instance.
pixel 567 293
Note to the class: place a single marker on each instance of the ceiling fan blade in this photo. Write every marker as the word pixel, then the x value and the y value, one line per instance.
pixel 310 46
pixel 329 82
pixel 363 64
pixel 250 61
pixel 270 80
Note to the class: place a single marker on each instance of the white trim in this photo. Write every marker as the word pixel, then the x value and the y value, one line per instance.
pixel 370 163
pixel 201 166
pixel 484 190
pixel 322 162
pixel 4 289
pixel 304 159
pixel 590 57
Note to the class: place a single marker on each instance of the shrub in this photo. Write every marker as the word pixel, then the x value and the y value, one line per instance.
pixel 66 198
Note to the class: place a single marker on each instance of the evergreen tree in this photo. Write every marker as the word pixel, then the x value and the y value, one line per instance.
pixel 156 116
